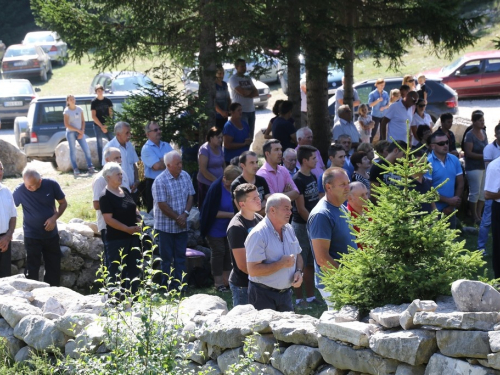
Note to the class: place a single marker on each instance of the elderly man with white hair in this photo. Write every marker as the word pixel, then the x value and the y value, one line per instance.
pixel 346 126
pixel 290 161
pixel 305 138
pixel 274 262
pixel 38 197
pixel 129 157
pixel 173 195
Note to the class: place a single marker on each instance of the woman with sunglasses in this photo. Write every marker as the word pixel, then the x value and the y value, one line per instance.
pixel 474 143
pixel 420 118
pixel 409 80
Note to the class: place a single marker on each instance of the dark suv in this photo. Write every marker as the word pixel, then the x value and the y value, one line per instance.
pixel 39 133
pixel 441 98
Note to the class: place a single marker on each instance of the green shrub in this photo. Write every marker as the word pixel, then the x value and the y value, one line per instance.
pixel 408 254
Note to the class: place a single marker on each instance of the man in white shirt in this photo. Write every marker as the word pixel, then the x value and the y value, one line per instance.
pixel 8 214
pixel 346 126
pixel 492 191
pixel 397 119
pixel 243 91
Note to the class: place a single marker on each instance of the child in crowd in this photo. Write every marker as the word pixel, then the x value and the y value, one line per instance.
pixel 365 123
pixel 421 89
pixel 394 96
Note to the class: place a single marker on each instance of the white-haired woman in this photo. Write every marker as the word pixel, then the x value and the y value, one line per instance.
pixel 121 216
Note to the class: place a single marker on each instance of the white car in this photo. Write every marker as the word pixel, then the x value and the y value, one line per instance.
pixel 51 43
pixel 191 85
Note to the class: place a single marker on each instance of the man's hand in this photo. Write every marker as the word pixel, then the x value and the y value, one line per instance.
pixel 248 141
pixel 182 220
pixel 297 279
pixel 80 136
pixel 454 201
pixel 134 229
pixel 4 243
pixel 448 210
pixel 50 224
pixel 104 129
pixel 287 261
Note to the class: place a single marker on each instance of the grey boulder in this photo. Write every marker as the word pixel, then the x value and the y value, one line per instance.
pixel 475 296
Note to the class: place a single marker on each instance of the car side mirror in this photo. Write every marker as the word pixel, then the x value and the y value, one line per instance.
pixel 457 73
pixel 38 89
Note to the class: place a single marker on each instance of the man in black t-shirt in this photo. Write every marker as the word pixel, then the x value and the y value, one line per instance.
pixel 248 200
pixel 307 184
pixel 378 173
pixel 249 165
pixel 102 111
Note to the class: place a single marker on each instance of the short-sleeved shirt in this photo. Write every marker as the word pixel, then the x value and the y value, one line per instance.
pixel 345 127
pixel 123 209
pixel 478 148
pixel 101 108
pixel 215 163
pixel 374 95
pixel 263 244
pixel 219 227
pixel 7 208
pixel 339 94
pixel 152 154
pixel 418 121
pixel 320 166
pixel 174 192
pixel 327 222
pixel 38 206
pixel 260 184
pixel 492 181
pixel 129 157
pixel 423 188
pixel 399 117
pixel 276 179
pixel 239 136
pixel 450 169
pixel 245 82
pixel 308 188
pixel 491 152
pixel 75 116
pixel 237 233
pixel 377 172
pixel 283 129
pixel 222 97
pixel 357 177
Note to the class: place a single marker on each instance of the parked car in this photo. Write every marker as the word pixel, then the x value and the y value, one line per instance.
pixel 2 49
pixel 264 70
pixel 472 75
pixel 39 133
pixel 191 85
pixel 15 98
pixel 441 98
pixel 120 83
pixel 26 61
pixel 51 43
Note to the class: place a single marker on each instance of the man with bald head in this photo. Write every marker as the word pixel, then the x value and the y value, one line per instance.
pixel 357 202
pixel 38 197
pixel 173 195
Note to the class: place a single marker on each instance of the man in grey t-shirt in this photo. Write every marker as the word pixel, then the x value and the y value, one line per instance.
pixel 243 91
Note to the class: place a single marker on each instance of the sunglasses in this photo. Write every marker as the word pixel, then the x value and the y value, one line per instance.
pixel 411 80
pixel 444 143
pixel 422 105
pixel 155 130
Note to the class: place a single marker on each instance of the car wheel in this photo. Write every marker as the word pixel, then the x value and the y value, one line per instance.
pixel 62 62
pixel 43 76
pixel 50 67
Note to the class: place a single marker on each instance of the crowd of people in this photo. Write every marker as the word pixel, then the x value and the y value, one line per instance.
pixel 271 229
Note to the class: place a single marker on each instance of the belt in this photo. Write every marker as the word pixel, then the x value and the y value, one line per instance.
pixel 262 286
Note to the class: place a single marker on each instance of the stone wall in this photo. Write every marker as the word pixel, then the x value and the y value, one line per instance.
pixel 452 335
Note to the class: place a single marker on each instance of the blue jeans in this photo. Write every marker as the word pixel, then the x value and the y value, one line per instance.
pixel 249 117
pixel 240 295
pixel 485 225
pixel 172 247
pixel 99 135
pixel 72 136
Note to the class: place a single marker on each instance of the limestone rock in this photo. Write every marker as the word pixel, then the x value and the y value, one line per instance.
pixel 81 228
pixel 406 318
pixel 70 349
pixel 299 360
pixel 475 296
pixel 441 365
pixel 24 354
pixel 92 226
pixel 87 275
pixel 12 344
pixel 297 331
pixel 201 304
pixel 39 333
pixel 197 352
pixel 229 358
pixel 53 309
pixel 355 333
pixel 18 251
pixel 28 296
pixel 388 316
pixel 405 369
pixel 63 160
pixel 345 314
pixel 469 344
pixel 68 279
pixel 63 295
pixel 91 337
pixel 482 321
pixel 494 337
pixel 261 369
pixel 28 285
pixel 346 358
pixel 330 370
pixel 261 348
pixel 70 262
pixel 13 159
pixel 6 289
pixel 414 347
pixel 72 324
pixel 240 309
pixel 492 361
pixel 211 368
pixel 13 311
pixel 214 351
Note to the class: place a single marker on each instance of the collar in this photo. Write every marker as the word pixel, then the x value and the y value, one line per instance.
pixel 169 176
pixel 283 228
pixel 149 142
pixel 269 168
pixel 351 210
pixel 345 122
pixel 439 160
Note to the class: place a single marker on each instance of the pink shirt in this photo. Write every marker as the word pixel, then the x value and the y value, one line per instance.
pixel 277 180
pixel 320 166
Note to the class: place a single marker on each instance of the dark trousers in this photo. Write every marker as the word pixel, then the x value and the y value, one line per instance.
pixel 495 231
pixel 202 193
pixel 5 261
pixel 262 298
pixel 130 255
pixel 51 251
pixel 172 250
pixel 148 194
pixel 103 238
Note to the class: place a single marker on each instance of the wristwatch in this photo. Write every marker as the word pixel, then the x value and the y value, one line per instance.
pixel 299 270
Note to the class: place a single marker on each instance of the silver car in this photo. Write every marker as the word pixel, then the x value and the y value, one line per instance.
pixel 51 43
pixel 15 98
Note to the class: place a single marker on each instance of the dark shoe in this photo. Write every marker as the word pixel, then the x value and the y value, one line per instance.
pixel 317 303
pixel 221 289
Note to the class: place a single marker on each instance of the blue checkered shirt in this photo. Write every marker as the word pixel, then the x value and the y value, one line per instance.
pixel 174 192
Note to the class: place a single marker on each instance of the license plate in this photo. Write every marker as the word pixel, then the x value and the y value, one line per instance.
pixel 13 104
pixel 21 63
pixel 256 100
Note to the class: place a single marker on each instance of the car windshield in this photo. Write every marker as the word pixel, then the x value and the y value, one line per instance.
pixel 454 65
pixel 39 38
pixel 15 88
pixel 130 83
pixel 20 51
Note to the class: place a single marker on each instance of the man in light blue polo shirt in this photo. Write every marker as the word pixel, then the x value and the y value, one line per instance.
pixel 152 156
pixel 397 119
pixel 445 166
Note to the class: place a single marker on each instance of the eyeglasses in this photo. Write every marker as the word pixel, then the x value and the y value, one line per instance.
pixel 155 130
pixel 444 143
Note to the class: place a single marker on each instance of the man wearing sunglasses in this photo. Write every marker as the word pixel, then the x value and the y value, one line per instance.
pixel 445 166
pixel 152 156
pixel 397 119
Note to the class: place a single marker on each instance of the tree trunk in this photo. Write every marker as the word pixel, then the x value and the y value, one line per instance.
pixel 348 56
pixel 207 60
pixel 293 51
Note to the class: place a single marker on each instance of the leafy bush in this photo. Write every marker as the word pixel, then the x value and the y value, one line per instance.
pixel 408 254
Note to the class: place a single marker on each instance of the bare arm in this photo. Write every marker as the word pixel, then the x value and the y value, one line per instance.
pixel 292 194
pixel 202 163
pixel 240 256
pixel 96 205
pixel 95 119
pixel 266 269
pixel 224 215
pixel 72 128
pixel 158 166
pixel 50 223
pixel 321 250
pixel 491 195
pixel 267 133
pixel 115 224
pixel 301 208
